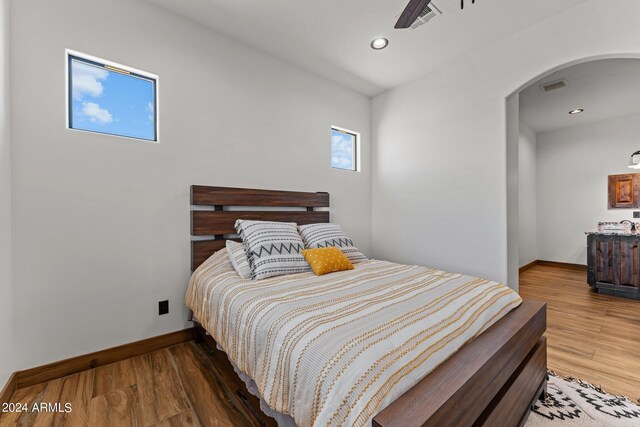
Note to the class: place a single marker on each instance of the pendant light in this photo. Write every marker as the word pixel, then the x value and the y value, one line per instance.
pixel 634 162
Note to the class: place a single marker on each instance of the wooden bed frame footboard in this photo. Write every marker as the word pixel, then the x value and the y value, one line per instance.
pixel 492 381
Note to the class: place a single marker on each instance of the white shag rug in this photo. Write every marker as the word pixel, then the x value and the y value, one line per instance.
pixel 572 402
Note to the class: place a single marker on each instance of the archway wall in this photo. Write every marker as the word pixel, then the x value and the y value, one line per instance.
pixel 440 143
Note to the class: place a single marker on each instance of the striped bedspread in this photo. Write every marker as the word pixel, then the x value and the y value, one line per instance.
pixel 334 350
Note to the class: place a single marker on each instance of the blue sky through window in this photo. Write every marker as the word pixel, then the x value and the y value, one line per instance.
pixel 110 102
pixel 343 150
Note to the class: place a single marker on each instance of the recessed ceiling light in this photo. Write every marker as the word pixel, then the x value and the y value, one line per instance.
pixel 379 43
pixel 576 111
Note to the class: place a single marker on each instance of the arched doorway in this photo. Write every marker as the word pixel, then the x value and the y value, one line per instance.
pixel 512 119
pixel 590 336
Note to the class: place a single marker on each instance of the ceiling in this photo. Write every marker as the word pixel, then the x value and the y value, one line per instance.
pixel 605 89
pixel 331 37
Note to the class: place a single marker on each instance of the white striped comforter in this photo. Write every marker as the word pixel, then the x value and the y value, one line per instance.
pixel 334 350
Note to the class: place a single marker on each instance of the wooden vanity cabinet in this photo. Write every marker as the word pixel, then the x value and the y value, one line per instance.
pixel 614 264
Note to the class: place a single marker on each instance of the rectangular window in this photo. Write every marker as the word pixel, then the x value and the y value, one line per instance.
pixel 344 149
pixel 112 99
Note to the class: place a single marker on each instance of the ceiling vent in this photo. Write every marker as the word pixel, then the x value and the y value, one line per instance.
pixel 551 86
pixel 429 12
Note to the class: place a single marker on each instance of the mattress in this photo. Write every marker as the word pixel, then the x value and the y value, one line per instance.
pixel 335 350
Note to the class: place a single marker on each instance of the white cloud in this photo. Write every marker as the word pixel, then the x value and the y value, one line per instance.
pixel 96 113
pixel 342 151
pixel 150 111
pixel 86 80
pixel 341 162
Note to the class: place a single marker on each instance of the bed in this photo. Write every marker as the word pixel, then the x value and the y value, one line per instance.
pixel 350 348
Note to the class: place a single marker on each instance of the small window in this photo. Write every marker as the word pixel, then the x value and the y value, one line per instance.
pixel 344 149
pixel 112 99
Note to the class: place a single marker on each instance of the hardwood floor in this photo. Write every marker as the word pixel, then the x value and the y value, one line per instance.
pixel 170 387
pixel 589 336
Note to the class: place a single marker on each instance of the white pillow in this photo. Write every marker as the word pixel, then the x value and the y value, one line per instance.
pixel 273 248
pixel 238 258
pixel 324 234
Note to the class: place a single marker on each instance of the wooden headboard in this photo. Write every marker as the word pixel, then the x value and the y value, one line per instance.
pixel 212 222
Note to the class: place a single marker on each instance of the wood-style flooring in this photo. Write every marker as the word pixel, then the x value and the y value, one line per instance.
pixel 589 336
pixel 171 387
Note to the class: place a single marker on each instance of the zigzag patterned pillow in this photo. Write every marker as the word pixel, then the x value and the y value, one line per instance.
pixel 324 235
pixel 273 248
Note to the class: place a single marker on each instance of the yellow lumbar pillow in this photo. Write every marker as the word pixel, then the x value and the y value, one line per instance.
pixel 326 260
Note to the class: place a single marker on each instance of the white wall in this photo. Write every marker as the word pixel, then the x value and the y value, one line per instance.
pixel 512 152
pixel 6 288
pixel 440 178
pixel 101 223
pixel 527 197
pixel 573 165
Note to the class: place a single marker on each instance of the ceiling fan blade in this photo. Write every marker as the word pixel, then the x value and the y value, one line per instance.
pixel 411 13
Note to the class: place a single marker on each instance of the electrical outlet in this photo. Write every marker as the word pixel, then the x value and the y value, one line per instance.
pixel 636 214
pixel 163 307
